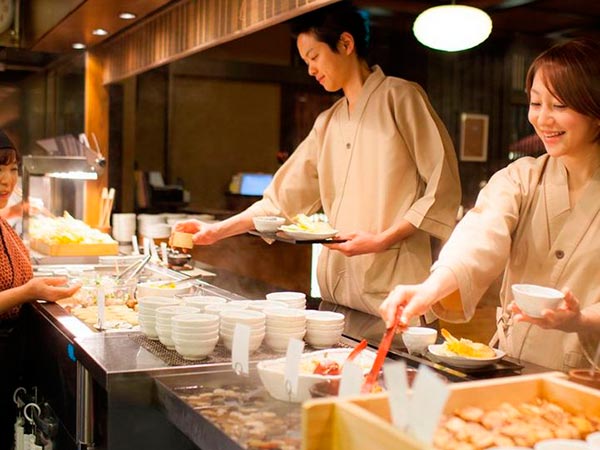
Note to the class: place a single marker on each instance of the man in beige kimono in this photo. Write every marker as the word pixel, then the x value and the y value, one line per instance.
pixel 538 220
pixel 379 163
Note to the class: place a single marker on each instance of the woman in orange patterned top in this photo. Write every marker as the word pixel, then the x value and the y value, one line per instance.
pixel 17 286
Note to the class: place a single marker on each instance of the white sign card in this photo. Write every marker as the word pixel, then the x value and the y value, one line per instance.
pixel 397 387
pixel 240 349
pixel 292 365
pixel 352 379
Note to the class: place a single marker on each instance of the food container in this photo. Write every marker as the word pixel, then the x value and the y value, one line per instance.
pixel 365 422
pixel 116 292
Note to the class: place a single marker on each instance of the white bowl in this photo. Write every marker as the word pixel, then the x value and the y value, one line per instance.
pixel 417 339
pixel 328 317
pixel 533 299
pixel 167 312
pixel 153 302
pixel 201 301
pixel 261 305
pixel 285 329
pixel 253 343
pixel 271 372
pixel 323 327
pixel 284 315
pixel 244 316
pixel 195 351
pixel 151 288
pixel 197 335
pixel 322 340
pixel 230 327
pixel 593 440
pixel 267 224
pixel 149 331
pixel 198 320
pixel 218 307
pixel 286 296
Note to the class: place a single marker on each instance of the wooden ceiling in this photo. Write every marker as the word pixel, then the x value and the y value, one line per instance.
pixel 540 18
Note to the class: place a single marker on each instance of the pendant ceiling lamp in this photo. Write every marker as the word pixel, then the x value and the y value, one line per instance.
pixel 452 28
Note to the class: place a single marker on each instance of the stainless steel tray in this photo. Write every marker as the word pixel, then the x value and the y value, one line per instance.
pixel 217 409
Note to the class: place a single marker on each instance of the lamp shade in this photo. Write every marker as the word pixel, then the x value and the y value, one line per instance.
pixel 452 27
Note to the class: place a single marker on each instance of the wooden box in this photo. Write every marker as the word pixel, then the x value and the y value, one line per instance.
pixel 100 249
pixel 363 422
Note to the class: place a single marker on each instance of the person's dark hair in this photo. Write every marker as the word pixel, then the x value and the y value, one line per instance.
pixel 8 151
pixel 572 75
pixel 328 24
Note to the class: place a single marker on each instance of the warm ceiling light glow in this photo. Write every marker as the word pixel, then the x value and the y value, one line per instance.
pixel 78 46
pixel 127 16
pixel 99 32
pixel 452 27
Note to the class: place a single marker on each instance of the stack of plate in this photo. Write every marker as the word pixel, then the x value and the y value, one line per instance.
pixel 195 335
pixel 254 319
pixel 163 322
pixel 283 324
pixel 261 305
pixel 292 299
pixel 147 313
pixel 323 328
pixel 217 308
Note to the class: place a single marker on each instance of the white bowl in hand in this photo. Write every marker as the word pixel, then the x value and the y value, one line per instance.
pixel 267 224
pixel 533 299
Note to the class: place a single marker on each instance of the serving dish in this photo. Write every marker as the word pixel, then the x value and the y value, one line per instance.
pixel 437 352
pixel 271 372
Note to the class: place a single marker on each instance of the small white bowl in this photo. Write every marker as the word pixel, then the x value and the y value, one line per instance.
pixel 199 320
pixel 261 305
pixel 285 329
pixel 196 351
pixel 151 288
pixel 593 440
pixel 417 339
pixel 267 224
pixel 533 299
pixel 322 340
pixel 286 296
pixel 217 308
pixel 153 302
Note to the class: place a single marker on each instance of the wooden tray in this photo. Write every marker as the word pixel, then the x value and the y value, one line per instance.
pixel 74 249
pixel 363 422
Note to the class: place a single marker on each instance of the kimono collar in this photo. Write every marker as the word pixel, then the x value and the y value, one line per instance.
pixel 371 83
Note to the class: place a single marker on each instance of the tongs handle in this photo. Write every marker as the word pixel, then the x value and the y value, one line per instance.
pixel 183 280
pixel 133 269
pixel 384 346
pixel 354 353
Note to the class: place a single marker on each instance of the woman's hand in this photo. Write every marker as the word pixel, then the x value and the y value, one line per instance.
pixel 204 233
pixel 407 301
pixel 358 243
pixel 50 289
pixel 567 317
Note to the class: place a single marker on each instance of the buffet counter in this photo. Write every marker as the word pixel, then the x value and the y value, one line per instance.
pixel 119 390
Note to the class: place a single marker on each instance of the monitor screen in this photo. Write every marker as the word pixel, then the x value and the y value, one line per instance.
pixel 254 183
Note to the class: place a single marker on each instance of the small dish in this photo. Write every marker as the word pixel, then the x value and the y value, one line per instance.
pixel 437 352
pixel 533 299
pixel 267 224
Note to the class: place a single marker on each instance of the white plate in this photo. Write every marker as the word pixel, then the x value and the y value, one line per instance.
pixel 461 361
pixel 308 236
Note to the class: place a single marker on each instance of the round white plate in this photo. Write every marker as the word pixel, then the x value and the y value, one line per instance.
pixel 436 351
pixel 307 236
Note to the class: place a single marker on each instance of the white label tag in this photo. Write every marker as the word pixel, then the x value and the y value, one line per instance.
pixel 427 403
pixel 397 386
pixel 101 303
pixel 292 366
pixel 240 349
pixel 19 433
pixel 352 378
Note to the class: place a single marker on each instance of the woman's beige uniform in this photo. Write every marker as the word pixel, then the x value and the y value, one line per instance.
pixel 390 159
pixel 523 223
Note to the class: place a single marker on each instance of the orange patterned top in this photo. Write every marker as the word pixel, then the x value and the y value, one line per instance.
pixel 15 265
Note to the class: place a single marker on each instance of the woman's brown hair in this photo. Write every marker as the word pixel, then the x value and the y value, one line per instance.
pixel 8 151
pixel 572 75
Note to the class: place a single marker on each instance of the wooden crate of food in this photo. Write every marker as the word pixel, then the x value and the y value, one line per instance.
pixel 99 249
pixel 364 422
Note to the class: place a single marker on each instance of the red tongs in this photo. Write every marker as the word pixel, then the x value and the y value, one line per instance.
pixel 384 346
pixel 359 348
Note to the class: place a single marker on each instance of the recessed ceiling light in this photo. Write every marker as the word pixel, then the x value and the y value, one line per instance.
pixel 127 16
pixel 78 46
pixel 99 32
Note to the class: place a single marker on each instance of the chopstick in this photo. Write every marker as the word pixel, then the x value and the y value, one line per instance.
pixel 106 203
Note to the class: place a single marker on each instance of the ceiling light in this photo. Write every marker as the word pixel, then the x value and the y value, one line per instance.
pixel 452 27
pixel 99 32
pixel 127 16
pixel 78 46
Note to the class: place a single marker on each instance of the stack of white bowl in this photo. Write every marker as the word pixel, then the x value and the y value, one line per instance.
pixel 323 328
pixel 292 299
pixel 261 305
pixel 254 319
pixel 195 335
pixel 163 322
pixel 147 313
pixel 202 301
pixel 283 324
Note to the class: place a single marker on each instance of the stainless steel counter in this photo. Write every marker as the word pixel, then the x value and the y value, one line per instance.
pixel 120 378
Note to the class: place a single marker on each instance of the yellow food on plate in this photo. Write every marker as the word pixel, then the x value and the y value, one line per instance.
pixel 303 223
pixel 465 347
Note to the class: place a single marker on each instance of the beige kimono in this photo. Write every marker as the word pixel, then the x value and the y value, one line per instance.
pixel 523 223
pixel 390 159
